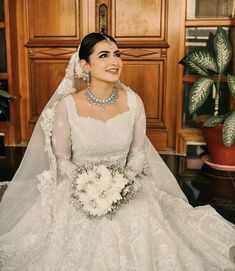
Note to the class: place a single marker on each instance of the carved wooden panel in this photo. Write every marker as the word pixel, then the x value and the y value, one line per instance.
pixel 158 138
pixel 144 71
pixel 139 22
pixel 54 20
pixel 145 77
pixel 47 68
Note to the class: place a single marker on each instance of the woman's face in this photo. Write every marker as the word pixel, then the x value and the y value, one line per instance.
pixel 105 63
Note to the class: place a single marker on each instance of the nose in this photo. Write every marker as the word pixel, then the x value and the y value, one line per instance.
pixel 114 59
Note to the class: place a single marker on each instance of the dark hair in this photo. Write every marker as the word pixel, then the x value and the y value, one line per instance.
pixel 88 43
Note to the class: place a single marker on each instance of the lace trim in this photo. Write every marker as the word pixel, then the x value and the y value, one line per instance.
pixel 65 88
pixel 46 186
pixel 66 169
pixel 47 179
pixel 131 103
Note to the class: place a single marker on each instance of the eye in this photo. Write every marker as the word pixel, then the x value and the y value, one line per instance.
pixel 103 55
pixel 118 54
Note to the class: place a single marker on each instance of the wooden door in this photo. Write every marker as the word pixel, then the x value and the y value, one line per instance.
pixel 50 31
pixel 142 33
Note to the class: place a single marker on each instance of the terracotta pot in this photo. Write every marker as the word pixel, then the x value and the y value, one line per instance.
pixel 219 154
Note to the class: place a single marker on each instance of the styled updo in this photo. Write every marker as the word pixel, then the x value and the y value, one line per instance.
pixel 88 43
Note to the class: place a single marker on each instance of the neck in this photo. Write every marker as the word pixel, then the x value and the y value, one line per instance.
pixel 101 91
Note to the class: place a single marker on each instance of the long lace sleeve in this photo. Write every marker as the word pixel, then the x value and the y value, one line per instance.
pixel 136 156
pixel 61 142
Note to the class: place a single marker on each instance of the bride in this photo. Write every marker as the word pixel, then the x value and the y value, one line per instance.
pixel 92 194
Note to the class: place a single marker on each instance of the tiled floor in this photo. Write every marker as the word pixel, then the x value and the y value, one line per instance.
pixel 202 185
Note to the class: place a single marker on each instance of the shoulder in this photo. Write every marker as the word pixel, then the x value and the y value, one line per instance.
pixel 64 103
pixel 68 99
pixel 134 96
pixel 79 96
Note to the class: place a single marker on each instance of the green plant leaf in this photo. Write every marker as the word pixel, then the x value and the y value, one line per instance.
pixel 231 84
pixel 6 94
pixel 193 67
pixel 223 50
pixel 2 110
pixel 229 130
pixel 215 120
pixel 199 93
pixel 4 102
pixel 203 59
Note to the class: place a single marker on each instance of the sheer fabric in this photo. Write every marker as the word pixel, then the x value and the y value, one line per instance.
pixel 22 191
pixel 61 142
pixel 157 230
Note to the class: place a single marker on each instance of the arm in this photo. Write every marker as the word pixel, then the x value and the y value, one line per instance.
pixel 136 156
pixel 61 143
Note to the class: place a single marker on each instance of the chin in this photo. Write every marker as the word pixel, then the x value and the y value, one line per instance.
pixel 113 80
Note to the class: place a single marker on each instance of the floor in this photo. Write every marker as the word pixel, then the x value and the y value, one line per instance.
pixel 200 183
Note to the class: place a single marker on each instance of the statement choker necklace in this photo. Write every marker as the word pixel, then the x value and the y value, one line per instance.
pixel 101 102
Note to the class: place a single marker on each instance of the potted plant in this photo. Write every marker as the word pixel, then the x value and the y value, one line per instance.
pixel 211 65
pixel 5 97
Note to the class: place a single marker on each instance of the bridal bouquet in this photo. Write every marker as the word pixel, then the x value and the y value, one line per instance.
pixel 102 189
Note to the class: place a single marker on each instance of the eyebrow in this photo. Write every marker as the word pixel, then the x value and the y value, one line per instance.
pixel 107 52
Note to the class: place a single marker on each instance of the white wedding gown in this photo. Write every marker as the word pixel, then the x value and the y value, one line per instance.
pixel 155 231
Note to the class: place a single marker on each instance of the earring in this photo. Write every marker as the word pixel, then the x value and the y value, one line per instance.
pixel 86 77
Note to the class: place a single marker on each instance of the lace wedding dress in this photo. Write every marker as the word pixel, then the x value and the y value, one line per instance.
pixel 154 231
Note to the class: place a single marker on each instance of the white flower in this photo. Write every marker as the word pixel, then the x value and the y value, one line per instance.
pixel 101 189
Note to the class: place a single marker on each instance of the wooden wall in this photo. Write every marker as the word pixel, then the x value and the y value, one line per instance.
pixel 147 32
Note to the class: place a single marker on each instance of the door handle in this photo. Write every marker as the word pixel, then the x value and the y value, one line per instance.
pixel 103 18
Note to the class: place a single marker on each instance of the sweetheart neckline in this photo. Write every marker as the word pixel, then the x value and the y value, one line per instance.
pixel 97 119
pixel 103 121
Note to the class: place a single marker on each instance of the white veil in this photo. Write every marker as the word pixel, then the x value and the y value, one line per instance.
pixel 23 191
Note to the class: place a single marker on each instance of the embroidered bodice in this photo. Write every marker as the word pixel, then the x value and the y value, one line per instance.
pixel 80 139
pixel 100 140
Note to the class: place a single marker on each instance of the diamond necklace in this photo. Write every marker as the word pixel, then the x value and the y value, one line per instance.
pixel 101 102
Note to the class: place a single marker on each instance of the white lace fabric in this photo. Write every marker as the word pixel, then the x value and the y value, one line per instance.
pixel 80 139
pixel 157 230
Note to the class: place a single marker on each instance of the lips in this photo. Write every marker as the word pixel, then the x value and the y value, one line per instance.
pixel 113 71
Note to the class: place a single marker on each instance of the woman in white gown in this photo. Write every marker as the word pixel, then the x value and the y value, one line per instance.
pixel 92 194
